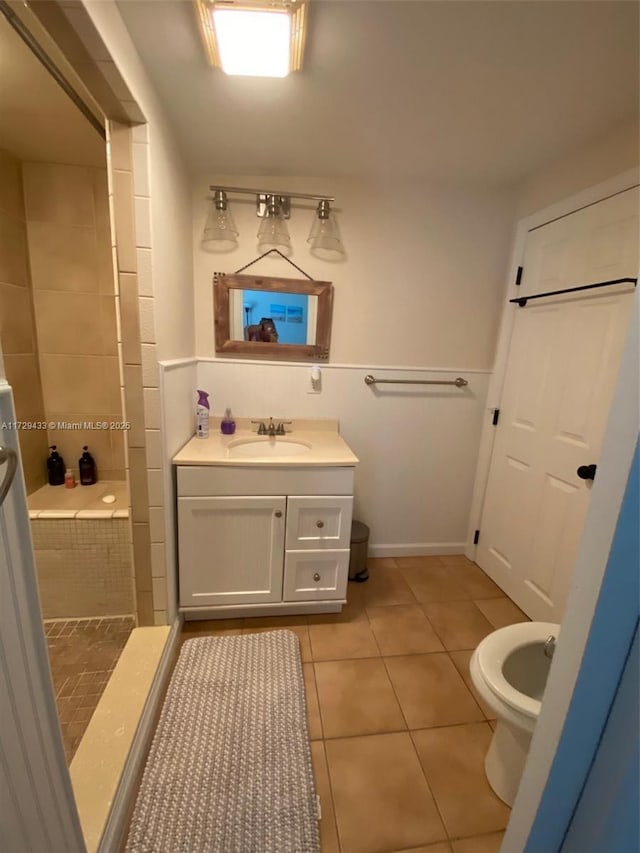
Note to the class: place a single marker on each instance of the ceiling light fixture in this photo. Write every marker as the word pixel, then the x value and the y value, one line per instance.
pixel 254 38
pixel 273 208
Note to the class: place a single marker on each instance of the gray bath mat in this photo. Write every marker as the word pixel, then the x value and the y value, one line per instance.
pixel 229 770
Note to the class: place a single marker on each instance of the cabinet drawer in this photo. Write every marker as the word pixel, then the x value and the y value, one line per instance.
pixel 310 575
pixel 318 523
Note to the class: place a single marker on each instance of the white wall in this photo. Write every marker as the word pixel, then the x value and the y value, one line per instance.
pixel 419 289
pixel 177 394
pixel 417 445
pixel 610 154
pixel 167 272
pixel 423 276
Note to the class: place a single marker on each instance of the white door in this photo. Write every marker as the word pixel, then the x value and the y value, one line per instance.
pixel 231 550
pixel 562 365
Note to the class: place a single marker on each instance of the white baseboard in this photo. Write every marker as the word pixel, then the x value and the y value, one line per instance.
pixel 116 825
pixel 417 549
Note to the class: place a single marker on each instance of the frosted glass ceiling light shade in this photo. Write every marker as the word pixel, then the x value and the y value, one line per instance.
pixel 324 237
pixel 273 232
pixel 220 232
pixel 253 38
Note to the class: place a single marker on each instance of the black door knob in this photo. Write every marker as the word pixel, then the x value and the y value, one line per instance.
pixel 587 472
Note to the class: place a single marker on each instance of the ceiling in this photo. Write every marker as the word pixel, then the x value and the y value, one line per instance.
pixel 38 121
pixel 455 91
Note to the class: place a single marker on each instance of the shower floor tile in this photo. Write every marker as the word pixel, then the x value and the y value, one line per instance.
pixel 82 655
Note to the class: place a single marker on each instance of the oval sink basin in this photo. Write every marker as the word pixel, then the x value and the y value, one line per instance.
pixel 259 448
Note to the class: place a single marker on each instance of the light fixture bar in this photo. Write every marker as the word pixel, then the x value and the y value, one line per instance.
pixel 279 193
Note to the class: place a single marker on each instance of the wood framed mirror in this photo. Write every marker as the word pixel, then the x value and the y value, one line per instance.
pixel 274 318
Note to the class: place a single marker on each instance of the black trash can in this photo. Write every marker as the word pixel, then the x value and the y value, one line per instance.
pixel 358 571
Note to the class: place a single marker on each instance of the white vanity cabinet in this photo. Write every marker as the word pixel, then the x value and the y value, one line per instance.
pixel 256 540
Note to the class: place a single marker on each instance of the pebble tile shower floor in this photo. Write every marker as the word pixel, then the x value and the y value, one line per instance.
pixel 82 656
pixel 398 736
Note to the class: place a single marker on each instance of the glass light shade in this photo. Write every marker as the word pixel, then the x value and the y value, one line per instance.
pixel 253 44
pixel 220 232
pixel 324 237
pixel 273 232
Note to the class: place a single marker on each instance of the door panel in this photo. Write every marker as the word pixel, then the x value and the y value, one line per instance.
pixel 562 366
pixel 597 243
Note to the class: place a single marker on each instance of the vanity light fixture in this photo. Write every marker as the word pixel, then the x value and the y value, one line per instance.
pixel 220 230
pixel 273 232
pixel 274 208
pixel 324 237
pixel 253 38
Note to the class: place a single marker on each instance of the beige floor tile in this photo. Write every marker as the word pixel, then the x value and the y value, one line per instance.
pixel 356 698
pixel 353 610
pixel 459 624
pixel 206 627
pixel 343 640
pixel 403 629
pixel 461 662
pixel 477 583
pixel 431 691
pixel 275 622
pixel 380 795
pixel 455 560
pixel 328 831
pixel 313 709
pixel 434 583
pixel 386 586
pixel 251 626
pixel 381 562
pixel 501 611
pixel 440 847
pixel 479 844
pixel 453 761
pixel 418 562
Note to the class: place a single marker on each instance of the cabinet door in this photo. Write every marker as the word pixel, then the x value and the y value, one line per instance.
pixel 313 575
pixel 318 523
pixel 231 550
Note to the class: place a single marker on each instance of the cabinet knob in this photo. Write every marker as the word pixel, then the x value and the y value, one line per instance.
pixel 319 523
pixel 278 513
pixel 316 577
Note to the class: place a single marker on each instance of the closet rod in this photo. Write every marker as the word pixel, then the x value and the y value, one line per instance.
pixel 459 382
pixel 522 300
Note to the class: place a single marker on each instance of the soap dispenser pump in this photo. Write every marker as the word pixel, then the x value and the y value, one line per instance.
pixel 55 467
pixel 227 424
pixel 87 465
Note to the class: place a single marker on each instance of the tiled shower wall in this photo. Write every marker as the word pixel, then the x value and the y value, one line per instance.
pixel 130 199
pixel 69 245
pixel 84 566
pixel 17 324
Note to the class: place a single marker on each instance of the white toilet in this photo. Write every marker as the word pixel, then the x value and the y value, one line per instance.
pixel 509 670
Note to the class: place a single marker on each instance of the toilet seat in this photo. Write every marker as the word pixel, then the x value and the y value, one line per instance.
pixel 496 648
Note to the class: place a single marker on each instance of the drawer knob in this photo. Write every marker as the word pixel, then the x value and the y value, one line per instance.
pixel 320 524
pixel 316 577
pixel 278 513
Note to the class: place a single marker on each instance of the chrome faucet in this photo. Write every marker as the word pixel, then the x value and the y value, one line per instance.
pixel 271 428
pixel 550 646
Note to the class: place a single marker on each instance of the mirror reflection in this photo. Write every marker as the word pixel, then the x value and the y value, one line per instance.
pixel 269 317
pixel 273 317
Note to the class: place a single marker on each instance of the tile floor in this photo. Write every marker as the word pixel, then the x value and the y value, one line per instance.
pixel 82 655
pixel 398 736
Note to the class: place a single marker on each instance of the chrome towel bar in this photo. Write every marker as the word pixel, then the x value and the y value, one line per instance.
pixel 459 382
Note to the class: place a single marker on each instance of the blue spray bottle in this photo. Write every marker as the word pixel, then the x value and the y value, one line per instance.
pixel 202 415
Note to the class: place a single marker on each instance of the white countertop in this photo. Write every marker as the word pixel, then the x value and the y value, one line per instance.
pixel 327 446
